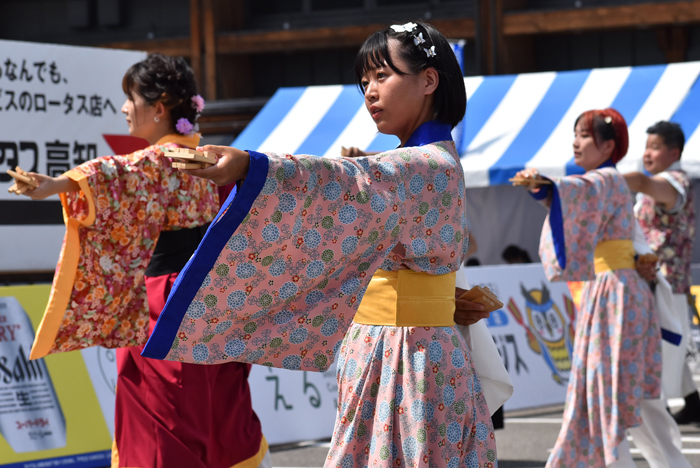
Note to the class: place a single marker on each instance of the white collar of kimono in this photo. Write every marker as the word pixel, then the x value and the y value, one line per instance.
pixel 191 141
pixel 676 166
pixel 429 132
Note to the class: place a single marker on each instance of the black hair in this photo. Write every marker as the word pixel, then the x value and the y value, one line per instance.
pixel 161 78
pixel 473 261
pixel 514 254
pixel 670 132
pixel 450 101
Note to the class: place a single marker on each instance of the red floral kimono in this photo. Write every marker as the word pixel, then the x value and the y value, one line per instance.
pixel 102 296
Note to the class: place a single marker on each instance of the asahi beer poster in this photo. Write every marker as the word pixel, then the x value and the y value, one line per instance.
pixel 51 411
pixel 59 106
pixel 30 415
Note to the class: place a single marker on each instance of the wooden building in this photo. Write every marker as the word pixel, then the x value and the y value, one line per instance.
pixel 243 50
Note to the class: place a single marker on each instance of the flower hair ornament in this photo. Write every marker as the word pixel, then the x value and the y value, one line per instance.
pixel 198 103
pixel 418 39
pixel 183 125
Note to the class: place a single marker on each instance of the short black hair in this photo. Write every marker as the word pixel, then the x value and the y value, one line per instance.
pixel 473 261
pixel 513 253
pixel 670 132
pixel 166 79
pixel 450 99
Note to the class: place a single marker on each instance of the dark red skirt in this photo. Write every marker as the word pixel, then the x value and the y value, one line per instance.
pixel 171 414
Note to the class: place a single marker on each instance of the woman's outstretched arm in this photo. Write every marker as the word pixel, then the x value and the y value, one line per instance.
pixel 48 186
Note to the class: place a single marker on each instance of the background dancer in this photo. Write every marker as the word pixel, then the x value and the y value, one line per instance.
pixel 133 221
pixel 614 385
pixel 666 213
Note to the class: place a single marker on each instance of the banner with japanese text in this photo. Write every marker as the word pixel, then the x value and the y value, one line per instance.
pixel 59 106
pixel 60 409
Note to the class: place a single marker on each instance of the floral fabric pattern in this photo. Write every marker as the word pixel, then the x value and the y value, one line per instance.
pixel 135 198
pixel 671 235
pixel 409 397
pixel 288 282
pixel 617 348
pixel 285 288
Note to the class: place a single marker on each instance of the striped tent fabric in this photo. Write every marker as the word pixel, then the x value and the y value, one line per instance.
pixel 512 121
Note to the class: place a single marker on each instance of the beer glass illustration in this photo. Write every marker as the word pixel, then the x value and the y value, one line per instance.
pixel 31 418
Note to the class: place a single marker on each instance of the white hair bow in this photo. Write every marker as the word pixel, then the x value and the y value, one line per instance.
pixel 408 27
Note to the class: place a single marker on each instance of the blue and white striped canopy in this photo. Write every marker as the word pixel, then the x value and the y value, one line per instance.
pixel 512 121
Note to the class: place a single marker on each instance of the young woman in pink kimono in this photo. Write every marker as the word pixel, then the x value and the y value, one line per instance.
pixel 615 385
pixel 281 273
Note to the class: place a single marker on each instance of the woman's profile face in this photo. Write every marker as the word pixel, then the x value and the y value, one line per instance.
pixel 586 154
pixel 139 116
pixel 394 101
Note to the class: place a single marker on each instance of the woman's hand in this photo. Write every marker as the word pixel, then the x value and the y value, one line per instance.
pixel 352 152
pixel 646 266
pixel 532 174
pixel 466 312
pixel 355 152
pixel 47 186
pixel 231 165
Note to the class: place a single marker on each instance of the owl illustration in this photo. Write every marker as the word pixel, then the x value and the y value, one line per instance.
pixel 549 332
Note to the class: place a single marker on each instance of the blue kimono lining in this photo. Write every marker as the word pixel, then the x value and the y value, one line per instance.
pixel 556 220
pixel 188 282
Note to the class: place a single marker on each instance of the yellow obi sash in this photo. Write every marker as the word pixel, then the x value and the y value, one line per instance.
pixel 407 298
pixel 613 255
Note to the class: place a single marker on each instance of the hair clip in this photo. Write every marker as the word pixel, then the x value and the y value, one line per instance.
pixel 418 40
pixel 408 27
pixel 430 52
pixel 608 120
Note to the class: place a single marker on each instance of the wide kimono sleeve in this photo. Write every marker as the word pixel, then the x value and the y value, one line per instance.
pixel 98 296
pixel 578 214
pixel 283 268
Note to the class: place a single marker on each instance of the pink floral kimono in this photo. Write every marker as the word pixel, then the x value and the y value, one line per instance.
pixel 282 270
pixel 617 348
